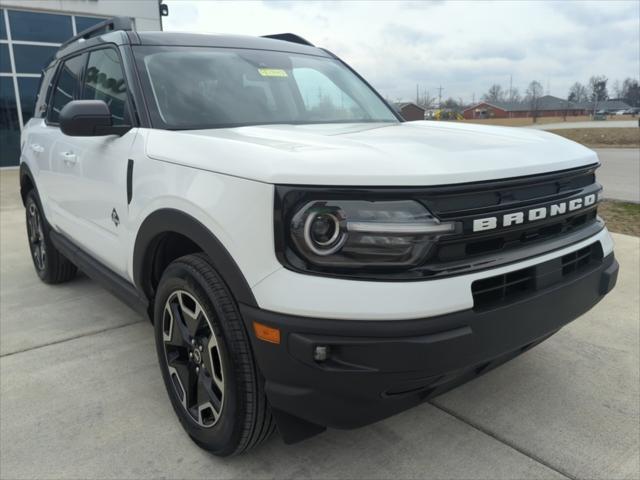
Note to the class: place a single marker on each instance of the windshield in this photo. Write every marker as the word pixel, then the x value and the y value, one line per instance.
pixel 202 87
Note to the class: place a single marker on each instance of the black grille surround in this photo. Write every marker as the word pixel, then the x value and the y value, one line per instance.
pixel 465 251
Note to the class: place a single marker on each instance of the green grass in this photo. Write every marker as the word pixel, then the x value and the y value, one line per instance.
pixel 621 217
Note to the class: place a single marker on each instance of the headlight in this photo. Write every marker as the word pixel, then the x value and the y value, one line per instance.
pixel 359 234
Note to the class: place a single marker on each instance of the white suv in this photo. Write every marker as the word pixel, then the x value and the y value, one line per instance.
pixel 307 258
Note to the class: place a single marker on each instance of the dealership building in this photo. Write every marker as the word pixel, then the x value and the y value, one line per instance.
pixel 30 33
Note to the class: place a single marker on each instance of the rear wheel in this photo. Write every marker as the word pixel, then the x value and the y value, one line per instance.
pixel 206 360
pixel 51 266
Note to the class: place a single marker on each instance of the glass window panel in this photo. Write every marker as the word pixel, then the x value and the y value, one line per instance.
pixel 45 86
pixel 323 98
pixel 105 81
pixel 5 61
pixel 32 58
pixel 9 126
pixel 40 27
pixel 82 23
pixel 28 88
pixel 67 86
pixel 3 30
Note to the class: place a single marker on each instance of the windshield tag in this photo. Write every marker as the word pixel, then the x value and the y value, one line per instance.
pixel 272 72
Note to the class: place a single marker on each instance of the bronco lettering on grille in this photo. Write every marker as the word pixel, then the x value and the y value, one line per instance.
pixel 534 214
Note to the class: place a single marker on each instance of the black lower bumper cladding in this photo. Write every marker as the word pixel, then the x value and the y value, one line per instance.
pixel 374 369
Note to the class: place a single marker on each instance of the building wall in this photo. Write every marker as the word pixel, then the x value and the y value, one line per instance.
pixel 30 33
pixel 489 111
pixel 484 110
pixel 412 112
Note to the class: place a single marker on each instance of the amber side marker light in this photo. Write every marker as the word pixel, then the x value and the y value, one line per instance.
pixel 267 334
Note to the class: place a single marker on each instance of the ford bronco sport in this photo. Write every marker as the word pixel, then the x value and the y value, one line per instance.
pixel 307 258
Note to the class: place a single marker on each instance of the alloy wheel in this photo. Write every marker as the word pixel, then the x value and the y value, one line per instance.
pixel 193 358
pixel 36 236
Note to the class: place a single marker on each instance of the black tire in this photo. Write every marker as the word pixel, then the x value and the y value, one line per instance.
pixel 51 266
pixel 192 306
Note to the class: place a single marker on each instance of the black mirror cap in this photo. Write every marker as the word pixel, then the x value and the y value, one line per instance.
pixel 88 118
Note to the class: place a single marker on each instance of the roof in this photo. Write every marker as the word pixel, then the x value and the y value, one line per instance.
pixel 549 102
pixel 121 37
pixel 607 105
pixel 226 41
pixel 401 105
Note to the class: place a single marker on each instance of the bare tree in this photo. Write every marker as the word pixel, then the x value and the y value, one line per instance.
pixel 598 88
pixel 578 93
pixel 514 95
pixel 617 89
pixel 534 92
pixel 631 92
pixel 494 94
pixel 426 101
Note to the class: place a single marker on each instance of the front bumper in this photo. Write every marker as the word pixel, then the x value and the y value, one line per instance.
pixel 378 368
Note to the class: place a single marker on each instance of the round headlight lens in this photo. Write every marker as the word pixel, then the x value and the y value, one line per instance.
pixel 323 233
pixel 325 229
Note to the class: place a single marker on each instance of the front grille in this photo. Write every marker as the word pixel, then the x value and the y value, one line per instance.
pixel 509 287
pixel 494 199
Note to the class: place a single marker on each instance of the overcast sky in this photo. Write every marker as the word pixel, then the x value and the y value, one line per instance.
pixel 462 46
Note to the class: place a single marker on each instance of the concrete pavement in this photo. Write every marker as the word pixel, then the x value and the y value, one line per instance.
pixel 591 124
pixel 82 397
pixel 620 173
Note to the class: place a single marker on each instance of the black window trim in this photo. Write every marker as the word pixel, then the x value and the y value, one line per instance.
pixel 103 46
pixel 54 85
pixel 47 94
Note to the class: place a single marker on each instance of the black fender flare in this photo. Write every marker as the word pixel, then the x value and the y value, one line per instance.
pixel 170 220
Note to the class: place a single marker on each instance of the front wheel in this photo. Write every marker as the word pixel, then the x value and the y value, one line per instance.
pixel 206 359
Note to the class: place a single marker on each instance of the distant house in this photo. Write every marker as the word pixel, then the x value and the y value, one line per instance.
pixel 547 106
pixel 410 111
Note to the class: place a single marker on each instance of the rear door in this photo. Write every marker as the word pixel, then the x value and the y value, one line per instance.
pixel 37 139
pixel 47 142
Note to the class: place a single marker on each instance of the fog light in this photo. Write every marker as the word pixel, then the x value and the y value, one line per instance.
pixel 321 353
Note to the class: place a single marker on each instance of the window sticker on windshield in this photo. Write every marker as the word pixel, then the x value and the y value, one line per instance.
pixel 272 72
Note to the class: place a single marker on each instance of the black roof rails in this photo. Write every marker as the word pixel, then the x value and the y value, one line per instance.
pixel 109 25
pixel 289 37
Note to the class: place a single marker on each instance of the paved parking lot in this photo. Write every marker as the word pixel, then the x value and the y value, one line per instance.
pixel 619 173
pixel 81 396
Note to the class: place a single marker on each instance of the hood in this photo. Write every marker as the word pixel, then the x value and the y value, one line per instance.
pixel 405 154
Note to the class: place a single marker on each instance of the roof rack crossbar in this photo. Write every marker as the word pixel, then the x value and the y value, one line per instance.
pixel 289 37
pixel 109 25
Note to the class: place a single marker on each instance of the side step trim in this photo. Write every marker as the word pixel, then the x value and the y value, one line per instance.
pixel 113 282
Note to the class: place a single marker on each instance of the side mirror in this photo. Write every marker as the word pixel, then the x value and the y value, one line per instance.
pixel 88 118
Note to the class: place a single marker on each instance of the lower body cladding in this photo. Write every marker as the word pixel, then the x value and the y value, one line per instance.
pixel 350 373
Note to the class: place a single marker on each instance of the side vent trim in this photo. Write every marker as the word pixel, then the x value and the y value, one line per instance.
pixel 129 181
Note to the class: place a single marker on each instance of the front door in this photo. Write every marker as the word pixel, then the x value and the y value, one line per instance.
pixel 93 206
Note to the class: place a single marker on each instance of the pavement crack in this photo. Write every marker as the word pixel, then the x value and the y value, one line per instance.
pixel 502 440
pixel 63 340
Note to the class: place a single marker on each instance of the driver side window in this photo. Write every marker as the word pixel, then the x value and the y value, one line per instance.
pixel 104 80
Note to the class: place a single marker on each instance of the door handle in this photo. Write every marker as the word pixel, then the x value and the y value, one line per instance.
pixel 37 148
pixel 69 158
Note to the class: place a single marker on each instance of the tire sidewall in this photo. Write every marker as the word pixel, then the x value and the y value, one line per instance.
pixel 223 437
pixel 45 273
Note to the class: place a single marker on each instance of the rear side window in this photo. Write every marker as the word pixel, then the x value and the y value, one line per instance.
pixel 67 86
pixel 104 80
